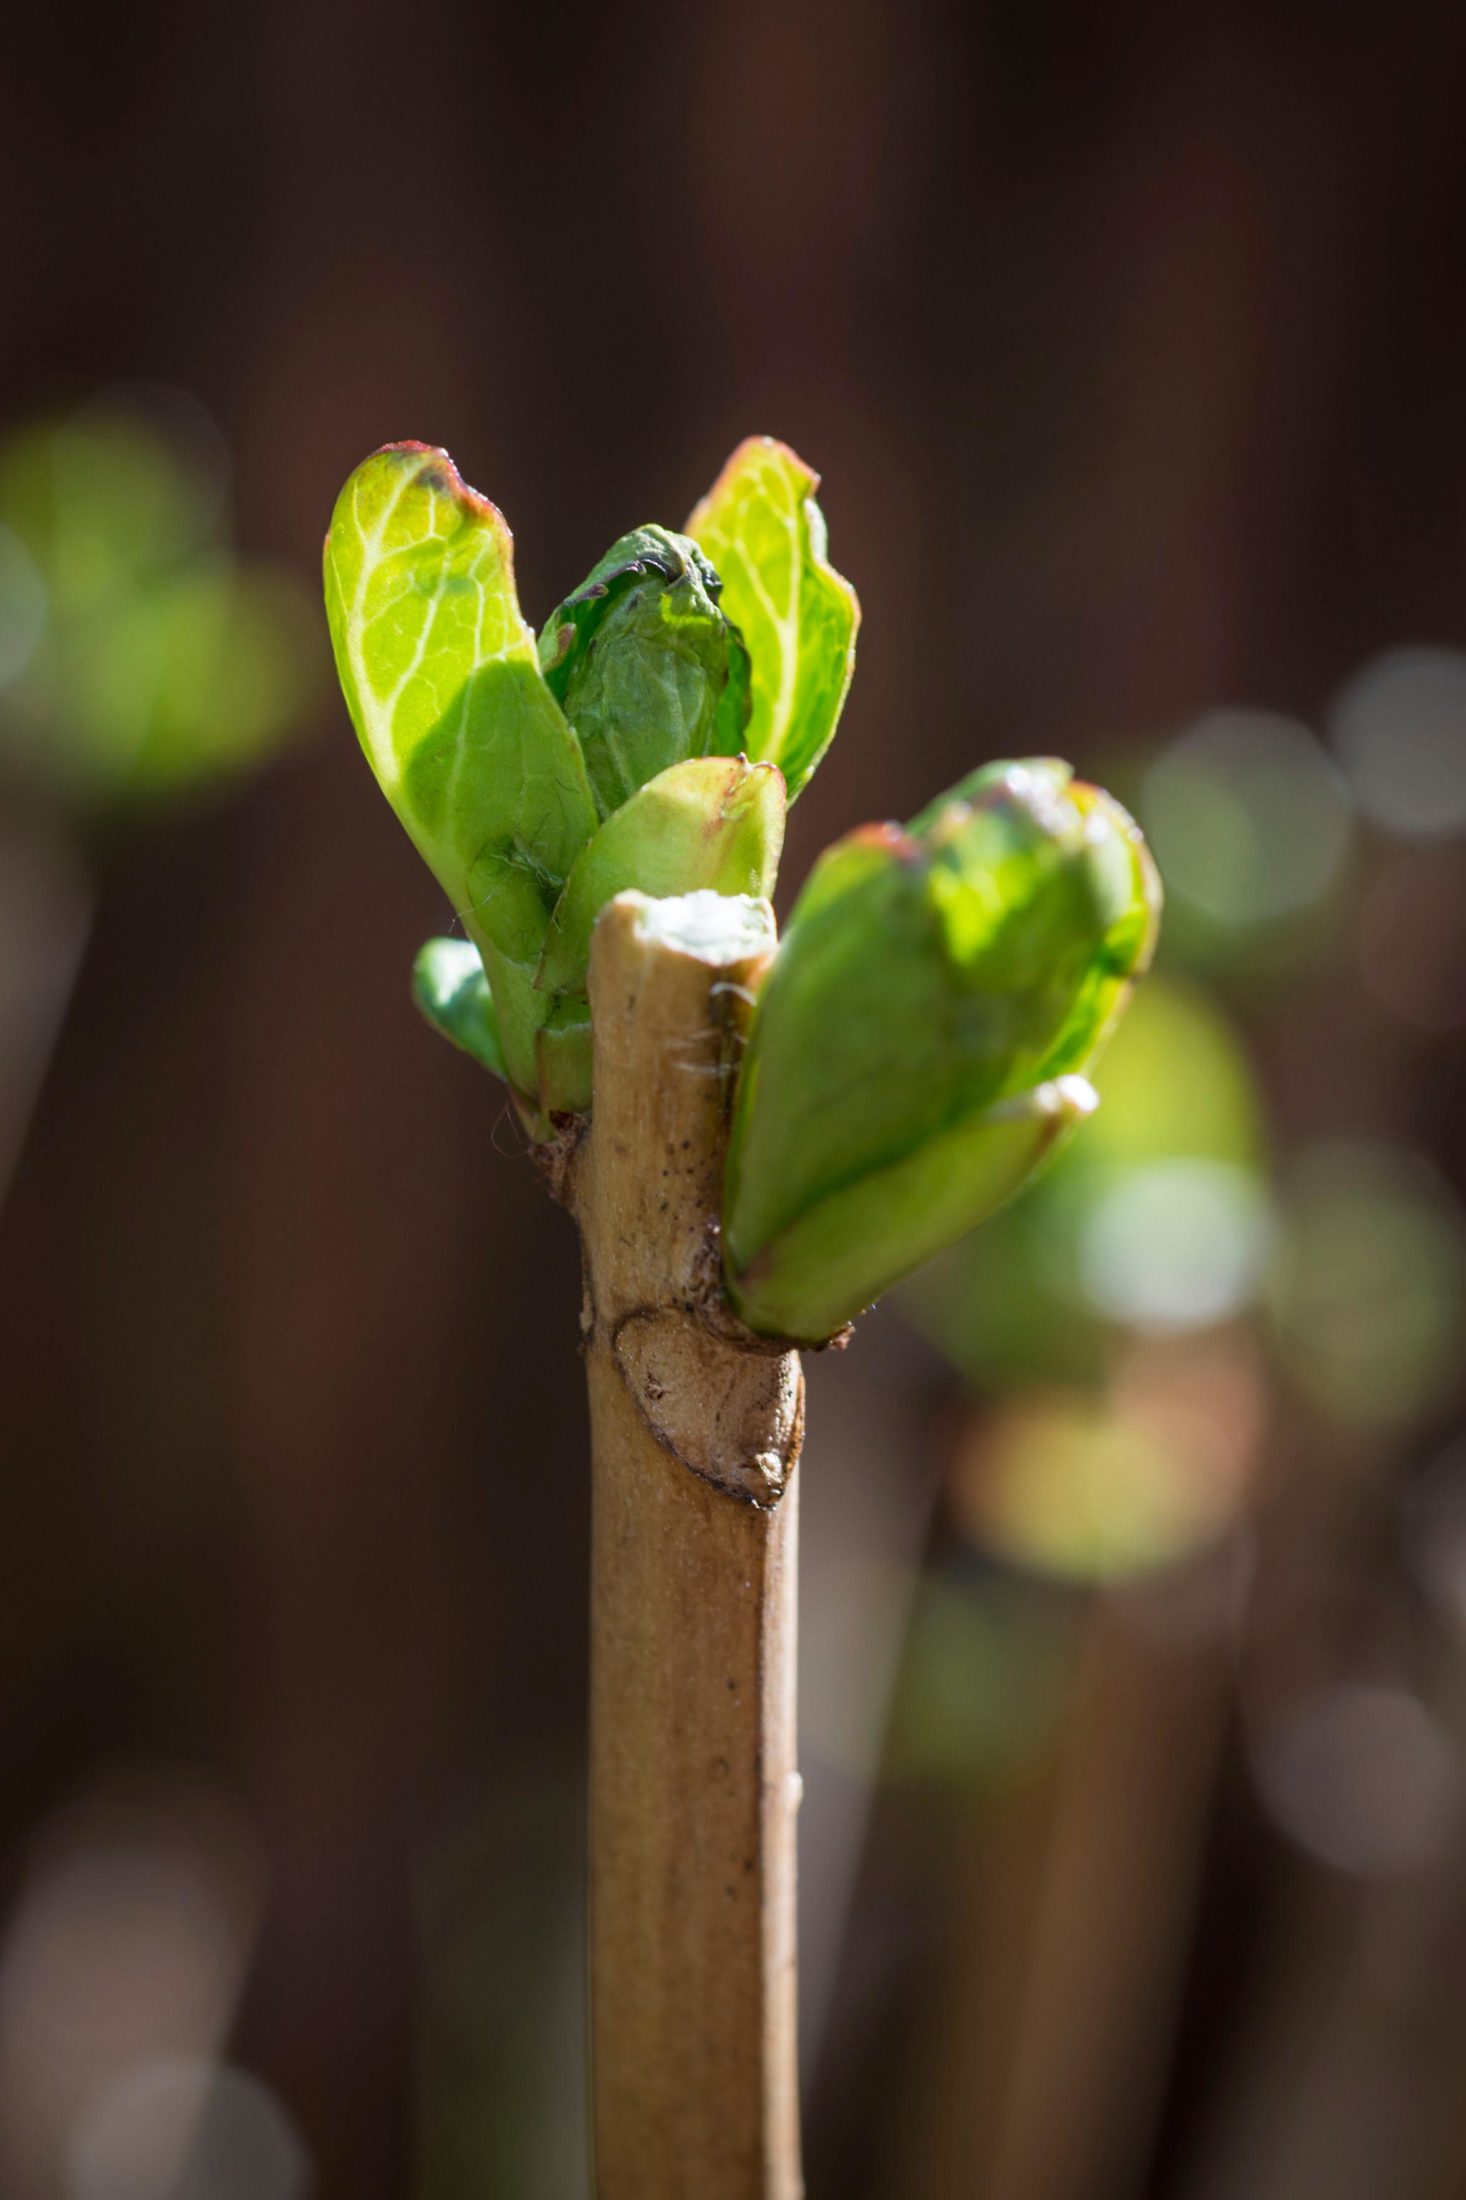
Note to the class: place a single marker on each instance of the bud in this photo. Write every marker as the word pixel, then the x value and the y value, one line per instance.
pixel 714 823
pixel 540 780
pixel 920 1045
pixel 645 665
pixel 711 825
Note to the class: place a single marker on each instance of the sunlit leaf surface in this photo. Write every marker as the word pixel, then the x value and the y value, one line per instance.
pixel 765 535
pixel 440 674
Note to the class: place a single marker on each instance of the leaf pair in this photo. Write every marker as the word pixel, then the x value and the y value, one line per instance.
pixel 642 744
pixel 919 1044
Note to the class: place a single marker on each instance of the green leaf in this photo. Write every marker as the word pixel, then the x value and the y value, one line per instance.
pixel 713 822
pixel 983 781
pixel 647 668
pixel 764 533
pixel 441 677
pixel 844 1252
pixel 449 986
pixel 919 1043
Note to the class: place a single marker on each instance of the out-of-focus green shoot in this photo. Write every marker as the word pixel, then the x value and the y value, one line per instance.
pixel 984 1675
pixel 920 1046
pixel 140 654
pixel 141 659
pixel 635 746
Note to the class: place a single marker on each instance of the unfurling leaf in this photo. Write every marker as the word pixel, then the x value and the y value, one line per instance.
pixel 713 824
pixel 919 1044
pixel 449 986
pixel 765 536
pixel 645 665
pixel 440 674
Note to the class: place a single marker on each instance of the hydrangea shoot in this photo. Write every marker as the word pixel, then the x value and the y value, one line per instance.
pixel 756 1138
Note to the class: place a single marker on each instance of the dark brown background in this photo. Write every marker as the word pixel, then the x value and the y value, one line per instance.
pixel 1130 341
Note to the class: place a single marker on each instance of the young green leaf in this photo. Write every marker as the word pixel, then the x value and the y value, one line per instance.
pixel 647 668
pixel 918 1045
pixel 449 986
pixel 441 677
pixel 844 1252
pixel 765 535
pixel 713 822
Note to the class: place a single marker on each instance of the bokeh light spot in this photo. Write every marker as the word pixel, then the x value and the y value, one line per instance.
pixel 183 2128
pixel 1399 728
pixel 1090 1487
pixel 1250 820
pixel 1368 1286
pixel 1175 1080
pixel 1360 1776
pixel 1175 1245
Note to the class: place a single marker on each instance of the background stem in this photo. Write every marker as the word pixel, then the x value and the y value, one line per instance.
pixel 695 1436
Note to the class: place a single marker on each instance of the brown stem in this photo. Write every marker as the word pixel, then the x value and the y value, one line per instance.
pixel 695 1430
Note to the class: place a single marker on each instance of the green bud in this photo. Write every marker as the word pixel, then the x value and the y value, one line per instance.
pixel 540 780
pixel 645 665
pixel 920 1043
pixel 712 823
pixel 466 735
pixel 449 986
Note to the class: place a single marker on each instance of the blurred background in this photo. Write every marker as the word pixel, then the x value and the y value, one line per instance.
pixel 1131 343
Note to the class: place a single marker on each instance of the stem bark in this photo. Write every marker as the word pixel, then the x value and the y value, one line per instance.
pixel 695 1429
